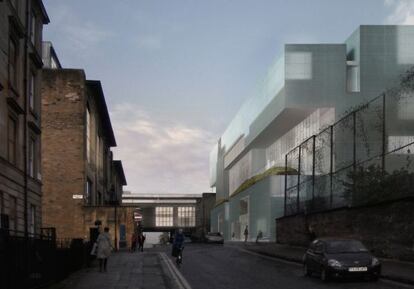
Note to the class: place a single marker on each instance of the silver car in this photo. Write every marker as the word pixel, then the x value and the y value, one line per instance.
pixel 214 238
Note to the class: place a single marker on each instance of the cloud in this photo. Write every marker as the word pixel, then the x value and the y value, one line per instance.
pixel 402 12
pixel 161 155
pixel 149 42
pixel 74 34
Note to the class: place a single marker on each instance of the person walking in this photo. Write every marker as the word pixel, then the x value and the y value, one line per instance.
pixel 133 242
pixel 141 240
pixel 259 236
pixel 104 249
pixel 246 233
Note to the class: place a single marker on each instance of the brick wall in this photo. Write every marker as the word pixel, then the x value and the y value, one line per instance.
pixel 63 150
pixel 388 229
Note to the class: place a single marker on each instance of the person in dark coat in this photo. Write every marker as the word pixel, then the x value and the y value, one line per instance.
pixel 133 242
pixel 246 233
pixel 141 240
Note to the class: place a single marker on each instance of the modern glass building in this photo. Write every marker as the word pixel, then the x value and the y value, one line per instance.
pixel 308 88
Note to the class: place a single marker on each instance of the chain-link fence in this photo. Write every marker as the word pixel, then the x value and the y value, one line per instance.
pixel 364 158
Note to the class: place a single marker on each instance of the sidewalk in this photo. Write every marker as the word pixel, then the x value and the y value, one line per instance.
pixel 125 271
pixel 391 269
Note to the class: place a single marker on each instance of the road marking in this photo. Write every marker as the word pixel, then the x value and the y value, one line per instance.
pixel 176 275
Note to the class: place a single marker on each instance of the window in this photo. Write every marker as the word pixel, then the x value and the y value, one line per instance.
pixel 13 62
pixel 32 157
pixel 164 216
pixel 32 219
pixel 33 28
pixel 13 214
pixel 88 192
pixel 88 135
pixel 299 65
pixel 32 91
pixel 12 140
pixel 186 216
pixel 352 77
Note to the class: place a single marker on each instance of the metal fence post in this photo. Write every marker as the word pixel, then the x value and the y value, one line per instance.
pixel 331 167
pixel 286 168
pixel 298 185
pixel 313 171
pixel 384 149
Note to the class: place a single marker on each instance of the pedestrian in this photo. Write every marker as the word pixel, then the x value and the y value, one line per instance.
pixel 104 249
pixel 233 235
pixel 246 233
pixel 141 240
pixel 259 236
pixel 133 242
pixel 311 233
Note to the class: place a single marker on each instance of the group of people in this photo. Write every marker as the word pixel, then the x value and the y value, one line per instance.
pixel 137 238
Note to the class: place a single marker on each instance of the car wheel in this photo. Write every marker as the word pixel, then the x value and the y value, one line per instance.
pixel 306 271
pixel 324 275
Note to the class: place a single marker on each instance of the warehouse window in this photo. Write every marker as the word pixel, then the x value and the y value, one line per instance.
pixel 186 216
pixel 164 216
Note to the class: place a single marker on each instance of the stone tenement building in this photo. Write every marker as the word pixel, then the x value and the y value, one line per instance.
pixel 21 26
pixel 81 181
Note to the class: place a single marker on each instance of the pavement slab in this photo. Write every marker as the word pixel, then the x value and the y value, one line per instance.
pixel 125 271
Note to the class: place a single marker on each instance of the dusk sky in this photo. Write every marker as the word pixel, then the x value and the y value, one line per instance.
pixel 175 72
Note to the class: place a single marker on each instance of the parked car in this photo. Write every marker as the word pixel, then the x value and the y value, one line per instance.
pixel 214 238
pixel 340 258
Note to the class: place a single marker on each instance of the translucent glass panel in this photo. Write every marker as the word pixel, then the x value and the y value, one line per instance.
pixel 240 172
pixel 352 78
pixel 306 160
pixel 292 163
pixel 343 134
pixel 322 191
pixel 405 44
pixel 213 165
pixel 269 88
pixel 164 216
pixel 299 65
pixel 340 188
pixel 311 125
pixel 369 130
pixel 291 201
pixel 323 152
pixel 405 106
pixel 186 217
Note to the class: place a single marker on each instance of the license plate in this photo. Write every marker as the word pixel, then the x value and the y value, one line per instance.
pixel 358 269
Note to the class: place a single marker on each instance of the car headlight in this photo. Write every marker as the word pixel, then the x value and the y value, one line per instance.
pixel 375 261
pixel 334 263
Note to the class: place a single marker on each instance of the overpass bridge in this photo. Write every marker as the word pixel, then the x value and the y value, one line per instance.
pixel 167 213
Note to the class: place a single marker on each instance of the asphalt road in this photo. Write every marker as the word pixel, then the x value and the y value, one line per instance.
pixel 224 267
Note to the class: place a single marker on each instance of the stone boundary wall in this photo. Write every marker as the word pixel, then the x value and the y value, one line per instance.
pixel 387 229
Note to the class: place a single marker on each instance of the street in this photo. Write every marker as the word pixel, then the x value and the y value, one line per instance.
pixel 224 267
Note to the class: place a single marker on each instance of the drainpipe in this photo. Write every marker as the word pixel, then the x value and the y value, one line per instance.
pixel 26 231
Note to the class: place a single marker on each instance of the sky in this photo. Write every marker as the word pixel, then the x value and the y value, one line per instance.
pixel 175 73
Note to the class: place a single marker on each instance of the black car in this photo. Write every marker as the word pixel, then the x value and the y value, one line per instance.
pixel 332 258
